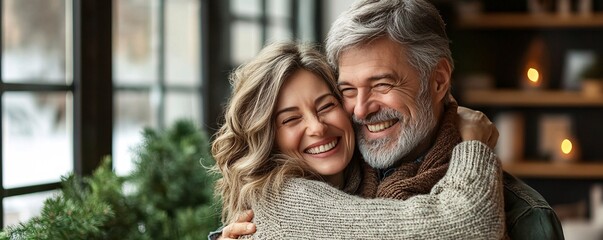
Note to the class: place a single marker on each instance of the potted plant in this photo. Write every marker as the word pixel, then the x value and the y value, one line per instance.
pixel 592 78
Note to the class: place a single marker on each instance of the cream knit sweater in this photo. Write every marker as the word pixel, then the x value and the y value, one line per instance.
pixel 466 204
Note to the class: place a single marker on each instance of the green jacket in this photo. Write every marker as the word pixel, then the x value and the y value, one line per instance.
pixel 528 215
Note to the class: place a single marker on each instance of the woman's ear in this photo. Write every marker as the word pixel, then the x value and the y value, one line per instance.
pixel 441 80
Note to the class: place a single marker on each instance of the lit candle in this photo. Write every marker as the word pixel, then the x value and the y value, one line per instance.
pixel 534 67
pixel 568 151
pixel 533 77
pixel 566 146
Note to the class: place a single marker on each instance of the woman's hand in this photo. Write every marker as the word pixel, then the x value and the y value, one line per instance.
pixel 475 125
pixel 242 226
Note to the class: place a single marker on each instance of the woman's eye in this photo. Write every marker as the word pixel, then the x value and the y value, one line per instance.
pixel 289 120
pixel 326 107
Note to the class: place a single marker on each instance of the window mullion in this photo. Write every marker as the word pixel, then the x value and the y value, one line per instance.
pixel 93 104
pixel 1 121
pixel 294 20
pixel 1 147
pixel 14 87
pixel 160 115
pixel 318 31
pixel 31 189
pixel 264 21
pixel 203 57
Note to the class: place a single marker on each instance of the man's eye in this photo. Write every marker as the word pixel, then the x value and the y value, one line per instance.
pixel 348 92
pixel 383 87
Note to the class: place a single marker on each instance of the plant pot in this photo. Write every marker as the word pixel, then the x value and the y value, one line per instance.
pixel 592 87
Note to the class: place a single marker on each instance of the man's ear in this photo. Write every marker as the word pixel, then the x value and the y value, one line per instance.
pixel 441 80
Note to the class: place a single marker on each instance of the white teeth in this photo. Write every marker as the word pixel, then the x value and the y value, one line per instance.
pixel 380 126
pixel 322 148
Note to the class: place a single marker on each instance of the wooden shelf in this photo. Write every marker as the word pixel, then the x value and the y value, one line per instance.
pixel 527 20
pixel 530 98
pixel 555 170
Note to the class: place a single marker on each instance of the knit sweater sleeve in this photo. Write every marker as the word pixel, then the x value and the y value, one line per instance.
pixel 465 204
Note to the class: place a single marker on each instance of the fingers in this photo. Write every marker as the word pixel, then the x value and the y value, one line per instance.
pixel 225 238
pixel 475 125
pixel 247 216
pixel 242 226
pixel 493 137
pixel 235 230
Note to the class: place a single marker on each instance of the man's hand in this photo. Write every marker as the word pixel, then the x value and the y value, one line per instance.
pixel 242 226
pixel 474 125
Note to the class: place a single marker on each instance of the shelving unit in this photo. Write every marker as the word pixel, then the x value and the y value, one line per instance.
pixel 531 168
pixel 527 20
pixel 531 98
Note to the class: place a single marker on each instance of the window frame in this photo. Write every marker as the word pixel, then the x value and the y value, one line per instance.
pixel 92 116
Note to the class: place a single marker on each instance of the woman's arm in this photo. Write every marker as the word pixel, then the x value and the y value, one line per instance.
pixel 465 204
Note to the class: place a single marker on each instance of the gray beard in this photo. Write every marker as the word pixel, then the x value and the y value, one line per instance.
pixel 384 152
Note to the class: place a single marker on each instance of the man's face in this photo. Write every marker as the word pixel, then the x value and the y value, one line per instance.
pixel 383 94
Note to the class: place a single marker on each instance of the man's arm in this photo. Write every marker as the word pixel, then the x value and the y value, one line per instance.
pixel 528 215
pixel 538 223
pixel 475 125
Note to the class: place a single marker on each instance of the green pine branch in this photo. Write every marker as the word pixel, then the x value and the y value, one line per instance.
pixel 172 195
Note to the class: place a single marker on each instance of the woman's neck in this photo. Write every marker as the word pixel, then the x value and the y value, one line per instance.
pixel 336 180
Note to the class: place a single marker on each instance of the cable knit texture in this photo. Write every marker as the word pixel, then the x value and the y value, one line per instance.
pixel 465 204
pixel 413 178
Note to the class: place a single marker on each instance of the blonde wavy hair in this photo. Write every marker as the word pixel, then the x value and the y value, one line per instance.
pixel 244 147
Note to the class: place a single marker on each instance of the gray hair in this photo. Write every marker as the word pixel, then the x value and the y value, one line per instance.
pixel 415 24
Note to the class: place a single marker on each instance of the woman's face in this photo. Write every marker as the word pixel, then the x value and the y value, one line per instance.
pixel 312 125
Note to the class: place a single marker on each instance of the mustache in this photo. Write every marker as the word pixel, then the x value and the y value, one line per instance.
pixel 382 115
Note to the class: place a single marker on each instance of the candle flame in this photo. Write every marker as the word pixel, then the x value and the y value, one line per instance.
pixel 566 146
pixel 533 75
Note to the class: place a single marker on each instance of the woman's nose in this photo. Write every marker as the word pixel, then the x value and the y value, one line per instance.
pixel 315 126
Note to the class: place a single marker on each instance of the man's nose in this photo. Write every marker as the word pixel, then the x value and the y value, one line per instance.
pixel 364 105
pixel 315 126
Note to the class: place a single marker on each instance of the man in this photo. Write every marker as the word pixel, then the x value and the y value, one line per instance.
pixel 395 66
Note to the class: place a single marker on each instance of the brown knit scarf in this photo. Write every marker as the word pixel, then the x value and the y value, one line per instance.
pixel 412 178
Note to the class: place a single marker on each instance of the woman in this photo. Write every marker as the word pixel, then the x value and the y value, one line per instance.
pixel 285 129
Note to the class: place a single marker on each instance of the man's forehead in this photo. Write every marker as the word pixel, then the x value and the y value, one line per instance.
pixel 366 68
pixel 382 57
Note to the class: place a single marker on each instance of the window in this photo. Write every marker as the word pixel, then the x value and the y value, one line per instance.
pixel 53 98
pixel 79 79
pixel 156 70
pixel 257 22
pixel 37 102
